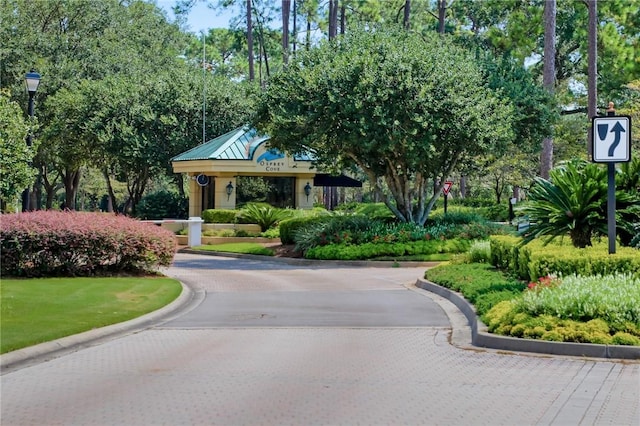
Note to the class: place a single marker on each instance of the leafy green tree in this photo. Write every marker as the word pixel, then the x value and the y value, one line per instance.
pixel 16 172
pixel 513 169
pixel 80 40
pixel 403 108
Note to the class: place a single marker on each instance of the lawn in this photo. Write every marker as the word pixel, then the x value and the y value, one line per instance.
pixel 243 248
pixel 39 310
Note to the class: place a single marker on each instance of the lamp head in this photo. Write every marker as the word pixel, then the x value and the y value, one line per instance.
pixel 32 80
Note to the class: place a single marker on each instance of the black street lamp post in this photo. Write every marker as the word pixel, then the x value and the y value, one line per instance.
pixel 32 79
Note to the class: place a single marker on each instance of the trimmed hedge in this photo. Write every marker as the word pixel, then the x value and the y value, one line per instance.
pixel 219 216
pixel 50 243
pixel 535 260
pixel 374 250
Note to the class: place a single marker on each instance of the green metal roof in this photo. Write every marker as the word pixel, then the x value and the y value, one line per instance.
pixel 238 144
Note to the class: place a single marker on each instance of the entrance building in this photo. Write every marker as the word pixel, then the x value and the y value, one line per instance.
pixel 214 166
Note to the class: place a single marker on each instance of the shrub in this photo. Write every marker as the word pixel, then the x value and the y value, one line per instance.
pixel 332 230
pixel 162 205
pixel 480 252
pixel 378 211
pixel 457 216
pixel 289 227
pixel 264 215
pixel 376 250
pixel 473 202
pixel 49 243
pixel 219 216
pixel 536 259
pixel 271 233
pixel 481 284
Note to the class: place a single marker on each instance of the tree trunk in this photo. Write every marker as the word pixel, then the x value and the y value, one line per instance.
pixel 442 13
pixel 407 14
pixel 463 186
pixel 71 180
pixel 548 78
pixel 333 19
pixel 295 26
pixel 50 188
pixel 252 74
pixel 112 196
pixel 37 190
pixel 286 7
pixel 308 38
pixel 592 68
pixel 343 19
pixel 263 49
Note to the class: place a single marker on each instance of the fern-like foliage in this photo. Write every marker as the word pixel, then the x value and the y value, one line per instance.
pixel 573 202
pixel 264 215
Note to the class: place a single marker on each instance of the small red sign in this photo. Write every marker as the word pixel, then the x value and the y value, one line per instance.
pixel 447 187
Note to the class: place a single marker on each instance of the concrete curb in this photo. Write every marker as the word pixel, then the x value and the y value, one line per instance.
pixel 309 262
pixel 482 338
pixel 49 350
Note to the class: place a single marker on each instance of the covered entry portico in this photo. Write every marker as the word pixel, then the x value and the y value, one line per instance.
pixel 214 166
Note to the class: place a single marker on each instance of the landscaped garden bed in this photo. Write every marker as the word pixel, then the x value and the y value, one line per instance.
pixel 560 306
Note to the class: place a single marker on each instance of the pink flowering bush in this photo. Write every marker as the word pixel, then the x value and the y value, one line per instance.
pixel 547 281
pixel 49 243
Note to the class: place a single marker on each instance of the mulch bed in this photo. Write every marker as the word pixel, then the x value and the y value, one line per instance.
pixel 285 250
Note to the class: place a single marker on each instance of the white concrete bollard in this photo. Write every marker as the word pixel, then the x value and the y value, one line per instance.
pixel 195 231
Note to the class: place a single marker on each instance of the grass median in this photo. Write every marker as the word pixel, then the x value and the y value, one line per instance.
pixel 40 310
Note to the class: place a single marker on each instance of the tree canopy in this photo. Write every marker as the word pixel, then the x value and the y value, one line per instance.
pixel 402 107
pixel 15 156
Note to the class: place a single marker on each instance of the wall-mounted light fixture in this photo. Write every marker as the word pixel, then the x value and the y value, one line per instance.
pixel 307 190
pixel 229 190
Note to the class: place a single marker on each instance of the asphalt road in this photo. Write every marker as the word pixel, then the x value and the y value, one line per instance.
pixel 268 343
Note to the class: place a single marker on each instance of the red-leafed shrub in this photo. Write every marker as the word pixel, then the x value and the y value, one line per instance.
pixel 48 243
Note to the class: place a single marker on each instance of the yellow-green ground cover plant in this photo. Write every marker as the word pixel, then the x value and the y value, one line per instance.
pixel 595 309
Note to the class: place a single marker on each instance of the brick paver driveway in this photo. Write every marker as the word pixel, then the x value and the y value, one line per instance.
pixel 273 344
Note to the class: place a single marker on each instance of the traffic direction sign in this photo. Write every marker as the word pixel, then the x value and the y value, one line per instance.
pixel 611 139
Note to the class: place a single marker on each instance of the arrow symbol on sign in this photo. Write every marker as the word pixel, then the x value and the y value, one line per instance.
pixel 617 129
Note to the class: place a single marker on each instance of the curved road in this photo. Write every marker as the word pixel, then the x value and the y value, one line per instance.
pixel 269 343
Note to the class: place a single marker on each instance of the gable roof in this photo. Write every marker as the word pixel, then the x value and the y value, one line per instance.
pixel 233 145
pixel 238 144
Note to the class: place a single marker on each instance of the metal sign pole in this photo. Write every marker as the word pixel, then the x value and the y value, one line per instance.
pixel 611 207
pixel 611 197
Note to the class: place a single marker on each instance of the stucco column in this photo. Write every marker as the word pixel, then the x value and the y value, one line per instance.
pixel 304 201
pixel 223 200
pixel 195 197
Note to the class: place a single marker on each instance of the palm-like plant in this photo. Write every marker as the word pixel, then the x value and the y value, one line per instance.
pixel 264 215
pixel 628 203
pixel 572 201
